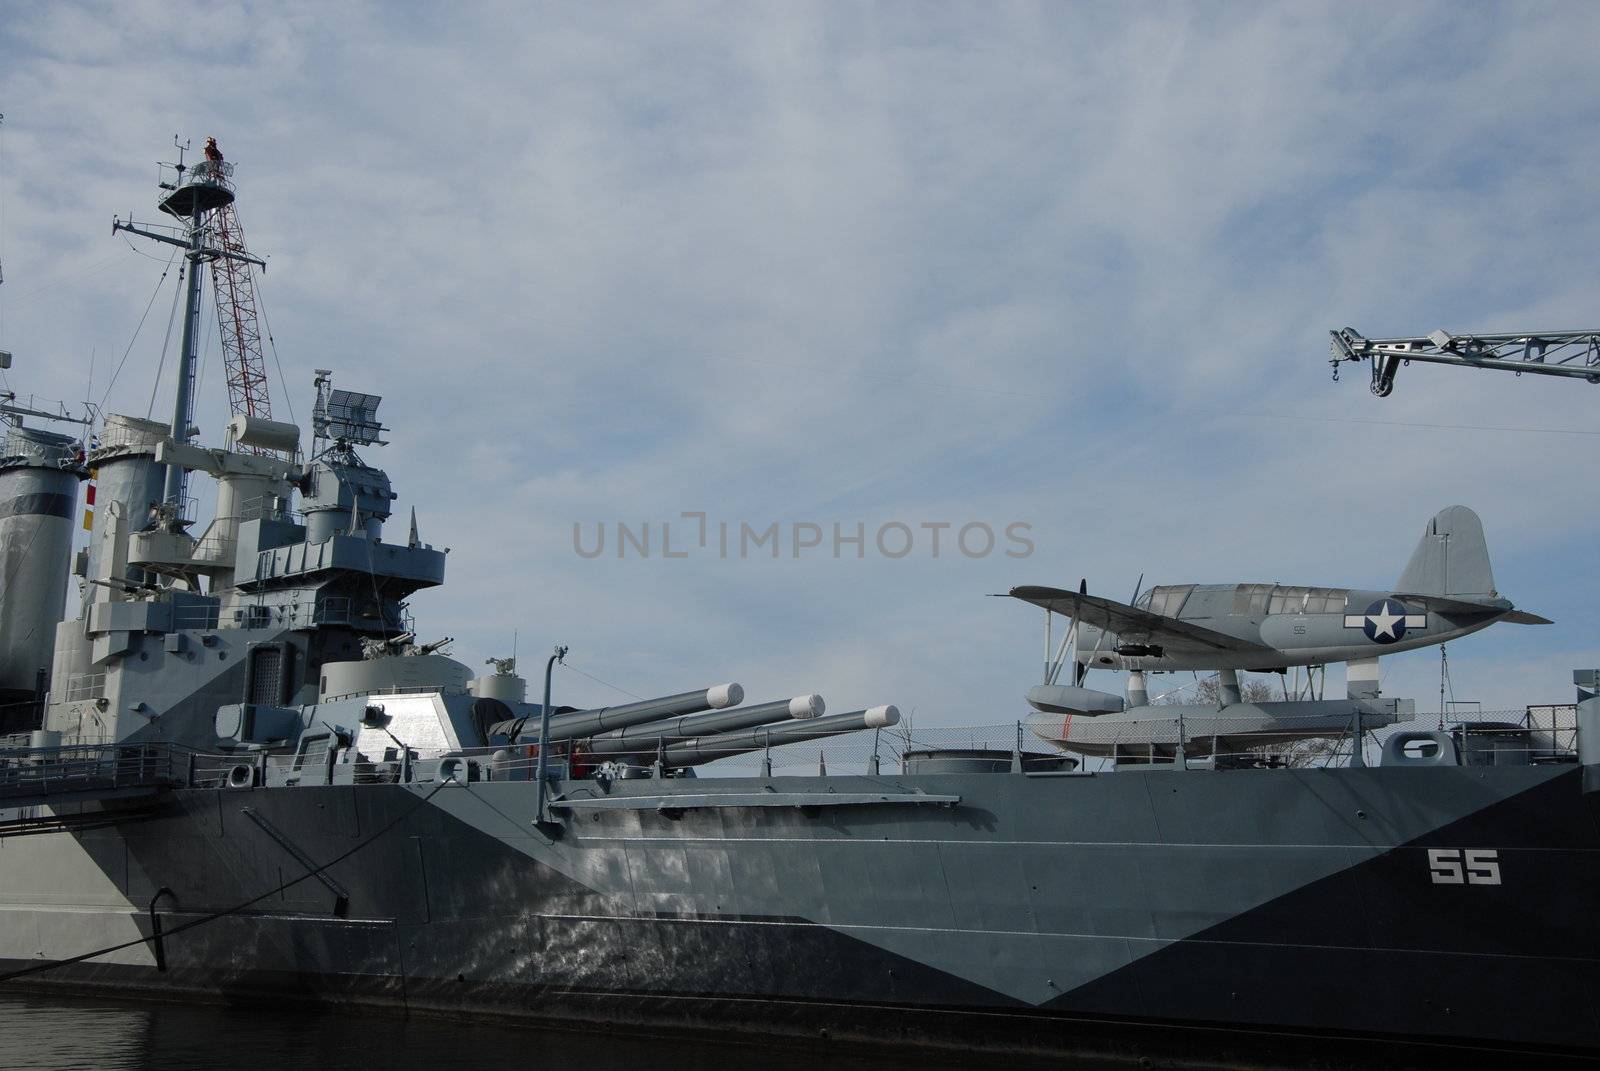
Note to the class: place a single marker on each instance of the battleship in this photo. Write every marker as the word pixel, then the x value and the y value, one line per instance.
pixel 236 772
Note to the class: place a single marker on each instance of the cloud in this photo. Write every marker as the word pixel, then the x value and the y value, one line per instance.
pixel 1070 265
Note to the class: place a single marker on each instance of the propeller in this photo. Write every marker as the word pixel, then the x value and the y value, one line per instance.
pixel 1080 669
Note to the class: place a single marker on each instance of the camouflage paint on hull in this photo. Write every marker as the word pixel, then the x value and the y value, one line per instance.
pixel 1094 913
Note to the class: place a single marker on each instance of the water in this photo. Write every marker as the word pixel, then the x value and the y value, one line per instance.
pixel 55 1032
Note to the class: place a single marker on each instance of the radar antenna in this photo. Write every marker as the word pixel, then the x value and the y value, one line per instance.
pixel 1575 354
pixel 341 419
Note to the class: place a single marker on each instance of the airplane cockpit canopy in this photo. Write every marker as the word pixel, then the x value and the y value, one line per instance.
pixel 1257 599
pixel 1166 599
pixel 1296 600
pixel 1251 600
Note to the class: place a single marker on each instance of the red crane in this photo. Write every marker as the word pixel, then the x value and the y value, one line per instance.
pixel 237 320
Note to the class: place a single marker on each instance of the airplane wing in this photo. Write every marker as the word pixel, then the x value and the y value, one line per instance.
pixel 1441 604
pixel 1124 620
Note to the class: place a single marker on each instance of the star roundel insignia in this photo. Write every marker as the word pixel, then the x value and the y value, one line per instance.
pixel 1385 621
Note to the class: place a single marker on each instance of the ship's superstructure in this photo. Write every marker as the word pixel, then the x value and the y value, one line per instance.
pixel 292 572
pixel 252 777
pixel 284 617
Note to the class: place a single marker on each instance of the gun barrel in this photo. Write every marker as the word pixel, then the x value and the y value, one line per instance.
pixel 581 723
pixel 644 739
pixel 720 746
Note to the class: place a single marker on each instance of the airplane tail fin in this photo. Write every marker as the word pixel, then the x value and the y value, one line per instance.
pixel 1451 558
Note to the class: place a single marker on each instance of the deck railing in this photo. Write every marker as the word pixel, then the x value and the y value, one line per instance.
pixel 33 773
pixel 28 773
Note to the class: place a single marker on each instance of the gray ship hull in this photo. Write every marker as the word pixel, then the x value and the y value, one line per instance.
pixel 1085 913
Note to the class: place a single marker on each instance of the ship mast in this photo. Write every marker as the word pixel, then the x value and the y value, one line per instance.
pixel 194 196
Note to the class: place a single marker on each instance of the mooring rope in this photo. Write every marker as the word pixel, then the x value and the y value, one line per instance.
pixel 40 968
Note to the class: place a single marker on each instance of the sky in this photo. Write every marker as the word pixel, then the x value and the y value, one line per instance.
pixel 1063 266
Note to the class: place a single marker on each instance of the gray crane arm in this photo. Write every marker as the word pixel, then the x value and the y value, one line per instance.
pixel 1575 354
